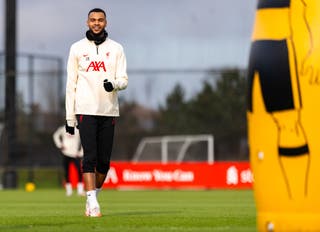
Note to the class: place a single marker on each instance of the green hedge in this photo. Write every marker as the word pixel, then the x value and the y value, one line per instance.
pixel 41 177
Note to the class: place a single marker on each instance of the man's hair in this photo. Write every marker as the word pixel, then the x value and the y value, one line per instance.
pixel 97 10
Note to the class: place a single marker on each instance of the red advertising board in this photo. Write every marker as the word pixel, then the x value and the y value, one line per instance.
pixel 187 175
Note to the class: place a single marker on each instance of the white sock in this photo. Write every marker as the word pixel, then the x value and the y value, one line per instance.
pixel 80 188
pixel 68 189
pixel 92 199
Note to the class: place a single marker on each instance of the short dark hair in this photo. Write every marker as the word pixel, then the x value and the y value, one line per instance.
pixel 97 10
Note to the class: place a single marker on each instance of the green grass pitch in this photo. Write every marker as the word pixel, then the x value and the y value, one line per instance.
pixel 135 211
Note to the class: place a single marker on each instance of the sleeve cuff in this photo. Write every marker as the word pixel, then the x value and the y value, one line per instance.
pixel 71 123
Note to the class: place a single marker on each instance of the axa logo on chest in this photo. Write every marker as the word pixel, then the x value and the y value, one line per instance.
pixel 96 66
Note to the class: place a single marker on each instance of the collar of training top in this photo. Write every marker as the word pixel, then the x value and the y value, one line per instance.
pixel 97 38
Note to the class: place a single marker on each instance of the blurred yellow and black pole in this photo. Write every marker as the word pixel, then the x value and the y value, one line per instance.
pixel 284 115
pixel 9 176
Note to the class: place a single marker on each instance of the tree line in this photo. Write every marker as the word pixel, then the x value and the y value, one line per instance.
pixel 219 108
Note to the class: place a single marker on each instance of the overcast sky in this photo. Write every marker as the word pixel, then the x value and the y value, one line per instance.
pixel 156 34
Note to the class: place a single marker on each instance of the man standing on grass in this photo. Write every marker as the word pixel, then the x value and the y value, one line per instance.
pixel 71 150
pixel 96 72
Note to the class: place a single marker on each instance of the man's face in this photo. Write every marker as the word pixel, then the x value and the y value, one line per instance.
pixel 96 22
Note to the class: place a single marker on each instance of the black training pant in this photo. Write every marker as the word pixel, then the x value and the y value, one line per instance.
pixel 96 133
pixel 66 165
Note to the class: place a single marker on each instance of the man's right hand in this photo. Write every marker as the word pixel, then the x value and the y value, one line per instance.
pixel 69 129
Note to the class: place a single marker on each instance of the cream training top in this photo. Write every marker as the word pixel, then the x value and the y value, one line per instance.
pixel 88 66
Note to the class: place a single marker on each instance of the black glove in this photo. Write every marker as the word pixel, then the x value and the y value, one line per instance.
pixel 107 85
pixel 69 129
